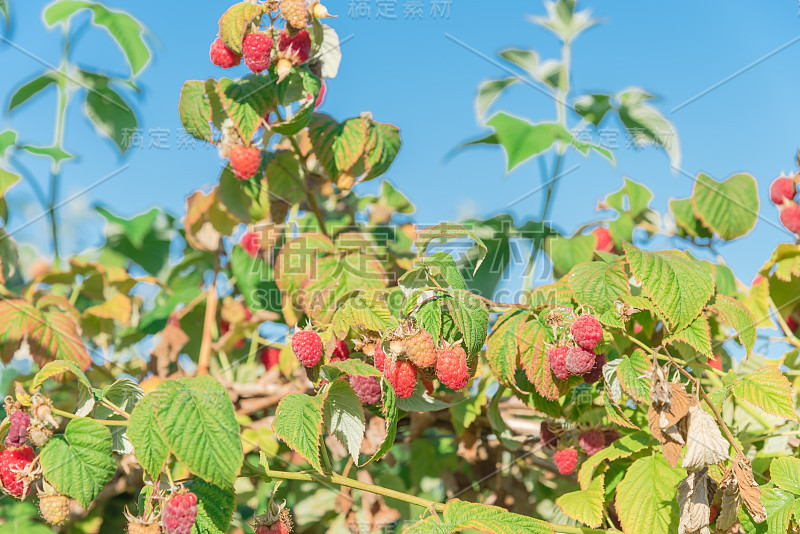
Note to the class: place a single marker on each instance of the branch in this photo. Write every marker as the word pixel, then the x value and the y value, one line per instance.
pixel 204 359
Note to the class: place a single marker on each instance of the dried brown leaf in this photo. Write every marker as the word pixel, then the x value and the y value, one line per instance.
pixel 705 444
pixel 678 405
pixel 731 500
pixel 748 489
pixel 672 452
pixel 173 339
pixel 694 503
pixel 653 416
pixel 659 387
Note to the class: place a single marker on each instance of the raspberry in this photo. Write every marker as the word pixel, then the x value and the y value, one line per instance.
pixel 39 434
pixel 256 50
pixel 579 361
pixel 716 361
pixel 380 358
pixel 557 358
pixel 295 48
pixel 546 434
pixel 609 437
pixel 421 349
pixel 321 96
pixel 222 56
pixel 592 442
pixel 341 352
pixel 402 376
pixel 54 508
pixel 12 461
pixel 307 346
pixel 141 525
pixel 781 190
pixel 790 218
pixel 318 11
pixel 18 431
pixel 566 461
pixel 368 389
pixel 251 242
pixel 792 323
pixel 179 514
pixel 596 373
pixel 270 356
pixel 295 13
pixel 245 160
pixel 605 243
pixel 276 528
pixel 587 331
pixel 451 368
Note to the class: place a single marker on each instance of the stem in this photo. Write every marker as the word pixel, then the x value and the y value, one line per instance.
pixel 312 201
pixel 790 337
pixel 104 422
pixel 114 408
pixel 58 141
pixel 204 359
pixel 251 356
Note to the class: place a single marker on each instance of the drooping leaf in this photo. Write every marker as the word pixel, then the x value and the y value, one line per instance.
pixel 633 372
pixel 697 335
pixel 246 102
pixel 768 389
pixel 646 125
pixel 785 473
pixel 298 423
pixel 729 208
pixel 585 505
pixel 149 444
pixel 215 507
pixel 490 91
pixel 195 110
pixel 344 416
pixel 235 22
pixel 108 111
pixel 736 315
pixel 471 318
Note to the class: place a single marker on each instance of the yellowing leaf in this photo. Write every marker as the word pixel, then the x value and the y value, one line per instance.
pixel 586 505
pixel 768 389
pixel 645 499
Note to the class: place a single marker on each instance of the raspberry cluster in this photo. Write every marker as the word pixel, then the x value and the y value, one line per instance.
pixel 579 357
pixel 782 193
pixel 591 441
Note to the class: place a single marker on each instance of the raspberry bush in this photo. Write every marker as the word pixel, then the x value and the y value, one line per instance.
pixel 311 360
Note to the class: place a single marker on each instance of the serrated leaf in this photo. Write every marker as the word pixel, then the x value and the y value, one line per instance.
pixel 445 232
pixel 730 208
pixel 677 285
pixel 215 507
pixel 614 412
pixel 785 473
pixel 236 21
pixel 246 102
pixel 768 389
pixel 354 367
pixel 683 212
pixel 780 507
pixel 645 499
pixel 736 315
pixel 79 463
pixel 633 372
pixel 471 317
pixel 503 351
pixel 366 311
pixel 383 145
pixel 534 337
pixel 195 110
pixel 58 368
pixel 697 335
pixel 149 444
pixel 460 515
pixel 601 286
pixel 344 416
pixel 298 423
pixel 624 447
pixel 586 505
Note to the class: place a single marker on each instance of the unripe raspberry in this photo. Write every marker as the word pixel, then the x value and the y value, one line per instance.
pixel 781 190
pixel 451 368
pixel 54 508
pixel 592 442
pixel 368 389
pixel 790 218
pixel 557 357
pixel 605 243
pixel 257 51
pixel 18 431
pixel 296 48
pixel 141 525
pixel 596 373
pixel 380 358
pixel 579 361
pixel 295 13
pixel 421 349
pixel 251 243
pixel 245 161
pixel 307 346
pixel 12 462
pixel 222 56
pixel 587 331
pixel 341 352
pixel 39 434
pixel 278 527
pixel 566 461
pixel 179 514
pixel 318 11
pixel 402 376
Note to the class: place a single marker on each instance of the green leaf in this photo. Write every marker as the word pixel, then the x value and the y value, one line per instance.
pixel 736 315
pixel 420 401
pixel 624 447
pixel 31 89
pixel 563 20
pixel 600 286
pixel 60 367
pixel 633 372
pixel 645 499
pixel 366 311
pixel 697 335
pixel 199 426
pixel 471 318
pixel 135 228
pixel 246 102
pixel 585 505
pixel 8 138
pixel 785 473
pixel 79 463
pixel 527 60
pixel 298 423
pixel 533 339
pixel 677 285
pixel 215 507
pixel 446 232
pixel 633 199
pixel 236 21
pixel 567 252
pixel 647 125
pixel 108 111
pixel 593 107
pixel 683 212
pixel 383 145
pixel 195 110
pixel 344 416
pixel 149 444
pixel 768 389
pixel 730 208
pixel 502 352
pixel 490 91
pixel 334 370
pixel 460 515
pixel 125 394
pixel 780 506
pixel 523 140
pixel 56 153
pixel 255 279
pixel 126 30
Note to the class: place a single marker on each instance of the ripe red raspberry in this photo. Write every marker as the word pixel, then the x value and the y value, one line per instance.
pixel 54 508
pixel 566 460
pixel 245 161
pixel 596 373
pixel 341 352
pixel 222 56
pixel 18 431
pixel 790 218
pixel 421 349
pixel 307 346
pixel 547 436
pixel 605 243
pixel 276 528
pixel 579 361
pixel 587 331
pixel 256 50
pixel 295 13
pixel 792 323
pixel 716 362
pixel 451 368
pixel 251 243
pixel 12 461
pixel 270 356
pixel 368 389
pixel 321 96
pixel 782 189
pixel 592 442
pixel 179 514
pixel 296 48
pixel 557 358
pixel 380 358
pixel 402 376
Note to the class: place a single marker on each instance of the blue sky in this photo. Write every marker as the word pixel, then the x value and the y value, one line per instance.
pixel 412 73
